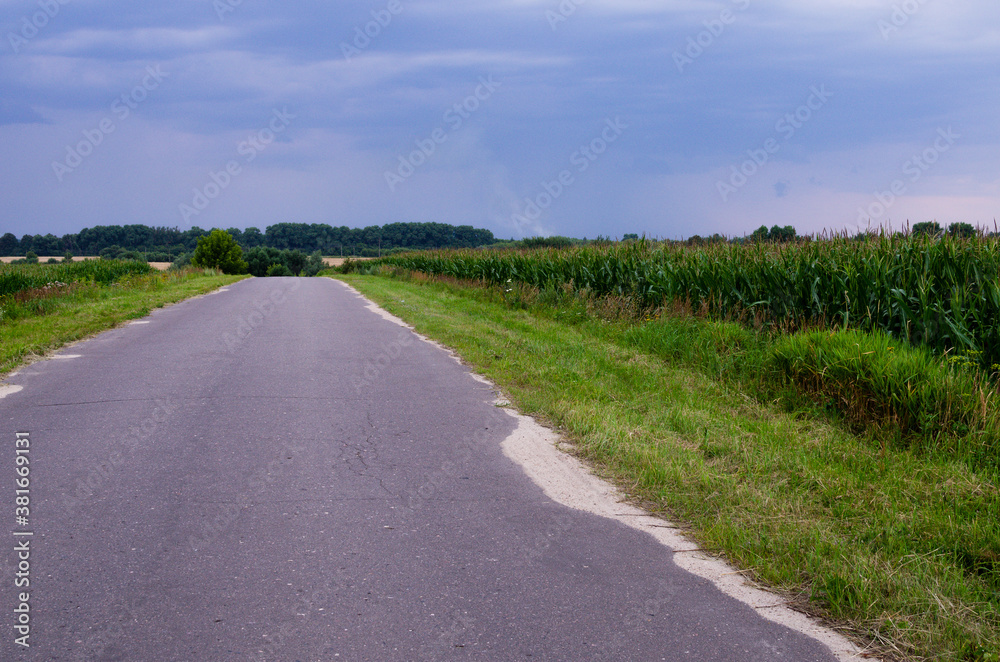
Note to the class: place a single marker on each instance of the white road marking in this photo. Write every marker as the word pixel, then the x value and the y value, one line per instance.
pixel 66 356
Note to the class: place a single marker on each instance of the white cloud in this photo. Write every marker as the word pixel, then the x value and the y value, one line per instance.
pixel 142 40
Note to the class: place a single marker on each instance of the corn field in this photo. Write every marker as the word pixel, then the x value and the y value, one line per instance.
pixel 939 292
pixel 15 278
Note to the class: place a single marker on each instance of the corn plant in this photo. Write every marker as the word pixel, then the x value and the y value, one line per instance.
pixel 18 277
pixel 942 293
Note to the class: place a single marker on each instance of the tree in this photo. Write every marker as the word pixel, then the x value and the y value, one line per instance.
pixel 113 252
pixel 929 227
pixel 252 237
pixel 8 244
pixel 295 260
pixel 546 242
pixel 781 235
pixel 181 261
pixel 260 259
pixel 963 230
pixel 314 265
pixel 218 250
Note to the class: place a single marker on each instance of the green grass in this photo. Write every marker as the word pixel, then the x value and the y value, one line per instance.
pixel 699 421
pixel 906 395
pixel 35 321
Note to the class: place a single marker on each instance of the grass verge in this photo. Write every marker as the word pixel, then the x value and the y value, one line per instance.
pixel 52 317
pixel 897 545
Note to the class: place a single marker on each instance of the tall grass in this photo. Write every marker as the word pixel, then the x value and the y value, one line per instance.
pixel 15 278
pixel 942 293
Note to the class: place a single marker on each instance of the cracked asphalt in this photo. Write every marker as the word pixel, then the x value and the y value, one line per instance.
pixel 274 472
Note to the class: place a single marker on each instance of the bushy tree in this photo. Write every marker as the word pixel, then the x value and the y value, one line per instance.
pixel 9 244
pixel 963 230
pixel 260 258
pixel 132 255
pixel 314 264
pixel 219 251
pixel 930 227
pixel 181 261
pixel 252 237
pixel 279 270
pixel 295 260
pixel 781 234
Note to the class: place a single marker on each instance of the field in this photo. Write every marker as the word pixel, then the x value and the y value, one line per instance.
pixel 822 414
pixel 941 293
pixel 162 266
pixel 44 306
pixel 19 281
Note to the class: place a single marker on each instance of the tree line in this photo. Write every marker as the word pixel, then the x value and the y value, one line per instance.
pixel 162 244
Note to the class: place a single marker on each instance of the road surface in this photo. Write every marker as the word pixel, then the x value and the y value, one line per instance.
pixel 275 472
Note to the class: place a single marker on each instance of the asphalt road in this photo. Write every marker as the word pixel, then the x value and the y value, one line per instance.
pixel 274 472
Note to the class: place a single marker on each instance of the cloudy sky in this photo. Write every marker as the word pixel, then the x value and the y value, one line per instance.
pixel 578 118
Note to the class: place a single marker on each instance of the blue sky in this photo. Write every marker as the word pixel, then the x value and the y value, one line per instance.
pixel 578 118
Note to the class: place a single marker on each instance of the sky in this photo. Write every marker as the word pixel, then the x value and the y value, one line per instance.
pixel 580 118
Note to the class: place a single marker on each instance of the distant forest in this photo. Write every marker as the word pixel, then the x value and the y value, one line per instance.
pixel 166 244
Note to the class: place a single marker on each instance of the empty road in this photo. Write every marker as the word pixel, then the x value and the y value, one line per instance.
pixel 275 472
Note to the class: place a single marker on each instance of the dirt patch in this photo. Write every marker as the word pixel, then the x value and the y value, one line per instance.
pixel 337 261
pixel 45 258
pixel 162 266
